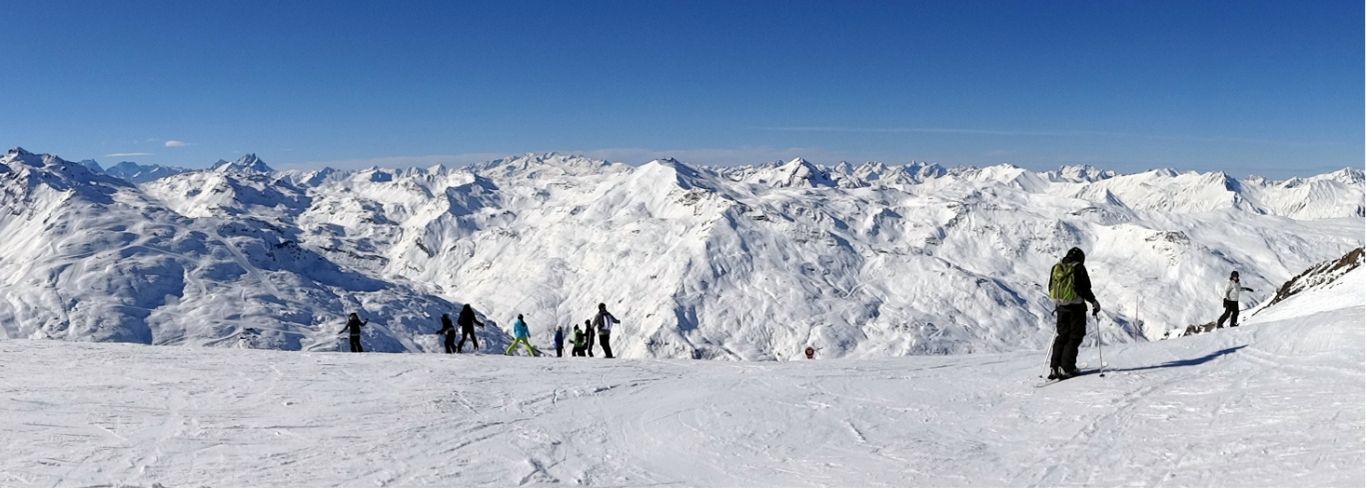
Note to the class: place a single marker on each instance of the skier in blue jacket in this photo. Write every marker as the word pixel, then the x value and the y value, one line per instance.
pixel 521 335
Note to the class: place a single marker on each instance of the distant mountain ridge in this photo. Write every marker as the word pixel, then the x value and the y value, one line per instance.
pixel 133 172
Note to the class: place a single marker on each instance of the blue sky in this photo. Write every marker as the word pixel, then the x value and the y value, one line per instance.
pixel 1272 88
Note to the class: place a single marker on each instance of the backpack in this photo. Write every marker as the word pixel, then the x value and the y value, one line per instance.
pixel 1061 284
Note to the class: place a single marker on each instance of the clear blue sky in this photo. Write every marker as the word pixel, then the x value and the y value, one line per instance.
pixel 1273 88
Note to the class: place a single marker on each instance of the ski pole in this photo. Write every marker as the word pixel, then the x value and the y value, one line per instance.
pixel 1100 347
pixel 1049 359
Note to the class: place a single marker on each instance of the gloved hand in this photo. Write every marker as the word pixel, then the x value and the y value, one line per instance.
pixel 1095 308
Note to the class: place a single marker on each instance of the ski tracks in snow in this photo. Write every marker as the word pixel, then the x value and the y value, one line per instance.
pixel 1286 408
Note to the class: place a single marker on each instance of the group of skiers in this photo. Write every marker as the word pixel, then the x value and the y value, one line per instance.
pixel 583 338
pixel 1070 288
pixel 467 323
pixel 583 342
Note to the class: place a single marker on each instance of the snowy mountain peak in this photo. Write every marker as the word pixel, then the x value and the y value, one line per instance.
pixel 1084 173
pixel 800 172
pixel 248 163
pixel 93 165
pixel 922 170
pixel 1164 172
pixel 1350 176
pixel 19 155
pixel 680 173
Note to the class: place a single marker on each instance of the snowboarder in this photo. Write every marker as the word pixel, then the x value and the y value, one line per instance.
pixel 559 341
pixel 1231 304
pixel 603 321
pixel 467 323
pixel 448 330
pixel 353 325
pixel 1070 287
pixel 588 331
pixel 521 336
pixel 579 342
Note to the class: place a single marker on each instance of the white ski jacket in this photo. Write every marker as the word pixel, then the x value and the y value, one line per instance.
pixel 1234 290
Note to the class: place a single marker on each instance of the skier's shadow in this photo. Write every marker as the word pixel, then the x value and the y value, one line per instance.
pixel 1186 362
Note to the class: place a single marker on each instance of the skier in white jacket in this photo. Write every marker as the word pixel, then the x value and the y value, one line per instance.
pixel 603 322
pixel 1231 293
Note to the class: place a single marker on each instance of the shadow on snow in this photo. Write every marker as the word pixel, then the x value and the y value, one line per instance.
pixel 1184 362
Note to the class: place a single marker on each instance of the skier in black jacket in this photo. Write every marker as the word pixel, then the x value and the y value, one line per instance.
pixel 449 331
pixel 353 325
pixel 467 323
pixel 1070 287
pixel 588 331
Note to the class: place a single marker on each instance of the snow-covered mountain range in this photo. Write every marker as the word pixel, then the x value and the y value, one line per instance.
pixel 91 257
pixel 750 262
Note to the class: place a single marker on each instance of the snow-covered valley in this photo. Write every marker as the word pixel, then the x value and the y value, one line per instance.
pixel 1280 401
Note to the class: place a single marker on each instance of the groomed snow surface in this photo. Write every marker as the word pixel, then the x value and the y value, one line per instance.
pixel 1277 402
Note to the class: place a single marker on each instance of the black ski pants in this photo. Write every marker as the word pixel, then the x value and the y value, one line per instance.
pixel 450 342
pixel 467 333
pixel 1071 330
pixel 605 337
pixel 355 344
pixel 559 349
pixel 588 348
pixel 1230 314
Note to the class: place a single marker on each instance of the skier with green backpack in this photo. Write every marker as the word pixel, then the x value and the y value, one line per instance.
pixel 1070 288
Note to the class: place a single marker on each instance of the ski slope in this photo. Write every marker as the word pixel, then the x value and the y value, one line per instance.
pixel 1277 402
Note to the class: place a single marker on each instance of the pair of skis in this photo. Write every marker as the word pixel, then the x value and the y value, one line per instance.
pixel 1100 349
pixel 1080 372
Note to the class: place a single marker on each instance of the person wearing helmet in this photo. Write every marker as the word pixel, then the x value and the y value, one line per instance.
pixel 1070 288
pixel 1231 304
